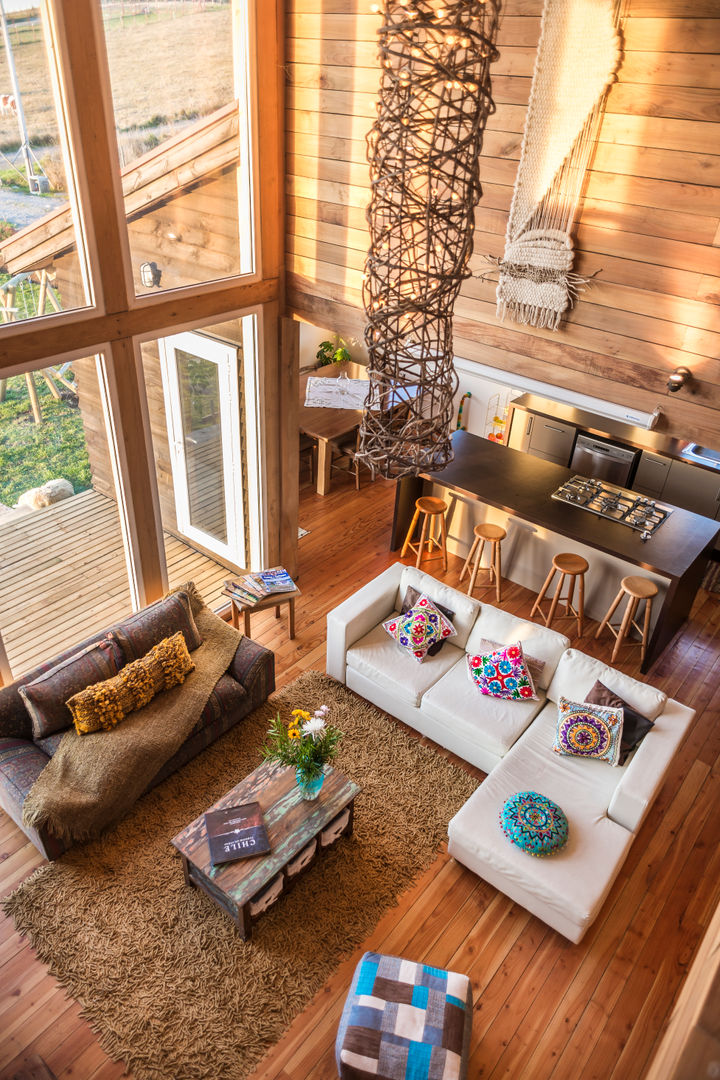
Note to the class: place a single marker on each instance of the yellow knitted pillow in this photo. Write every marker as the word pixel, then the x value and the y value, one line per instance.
pixel 105 704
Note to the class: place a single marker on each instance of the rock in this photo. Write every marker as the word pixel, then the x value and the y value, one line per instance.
pixel 51 492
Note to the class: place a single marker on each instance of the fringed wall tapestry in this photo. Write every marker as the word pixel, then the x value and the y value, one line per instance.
pixel 578 55
pixel 423 151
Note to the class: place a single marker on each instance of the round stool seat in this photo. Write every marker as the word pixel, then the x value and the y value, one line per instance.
pixel 428 504
pixel 567 563
pixel 639 587
pixel 486 531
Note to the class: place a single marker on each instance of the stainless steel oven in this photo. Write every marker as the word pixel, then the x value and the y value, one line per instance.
pixel 603 460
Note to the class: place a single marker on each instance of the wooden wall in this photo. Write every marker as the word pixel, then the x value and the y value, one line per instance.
pixel 650 222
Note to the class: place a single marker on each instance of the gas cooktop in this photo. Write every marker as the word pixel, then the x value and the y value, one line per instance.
pixel 614 503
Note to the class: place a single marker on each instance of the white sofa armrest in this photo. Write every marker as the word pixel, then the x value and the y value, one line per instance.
pixel 357 616
pixel 644 774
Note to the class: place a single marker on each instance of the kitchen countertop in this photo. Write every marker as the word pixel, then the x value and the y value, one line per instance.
pixel 626 434
pixel 522 485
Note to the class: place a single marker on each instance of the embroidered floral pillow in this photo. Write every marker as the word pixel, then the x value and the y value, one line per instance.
pixel 419 628
pixel 502 674
pixel 589 731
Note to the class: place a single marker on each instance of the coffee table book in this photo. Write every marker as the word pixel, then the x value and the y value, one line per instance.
pixel 236 832
pixel 298 831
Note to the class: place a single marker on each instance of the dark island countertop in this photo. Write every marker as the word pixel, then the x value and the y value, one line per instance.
pixel 522 485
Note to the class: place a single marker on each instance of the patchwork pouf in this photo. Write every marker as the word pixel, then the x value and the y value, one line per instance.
pixel 404 1021
pixel 534 823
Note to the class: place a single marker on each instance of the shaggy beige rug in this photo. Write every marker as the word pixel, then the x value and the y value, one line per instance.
pixel 160 971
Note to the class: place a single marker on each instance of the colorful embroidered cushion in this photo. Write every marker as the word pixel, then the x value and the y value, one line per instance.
pixel 534 823
pixel 46 695
pixel 502 674
pixel 589 731
pixel 412 595
pixel 635 725
pixel 534 666
pixel 419 628
pixel 107 703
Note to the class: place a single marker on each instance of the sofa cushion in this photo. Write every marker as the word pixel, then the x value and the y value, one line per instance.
pixel 535 824
pixel 378 658
pixel 588 731
pixel 577 673
pixel 635 725
pixel 497 625
pixel 21 762
pixel 46 696
pixel 137 634
pixel 465 607
pixel 416 630
pixel 411 598
pixel 502 673
pixel 534 666
pixel 105 704
pixel 491 722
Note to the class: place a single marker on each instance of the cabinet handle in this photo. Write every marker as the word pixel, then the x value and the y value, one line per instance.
pixel 551 427
pixel 528 429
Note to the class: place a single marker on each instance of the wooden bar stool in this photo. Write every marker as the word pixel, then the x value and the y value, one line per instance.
pixel 636 589
pixel 431 508
pixel 493 535
pixel 568 566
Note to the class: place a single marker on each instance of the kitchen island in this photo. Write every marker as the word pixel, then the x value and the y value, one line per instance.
pixel 487 481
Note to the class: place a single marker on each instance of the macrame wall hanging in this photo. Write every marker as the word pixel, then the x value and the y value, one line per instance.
pixel 578 55
pixel 423 151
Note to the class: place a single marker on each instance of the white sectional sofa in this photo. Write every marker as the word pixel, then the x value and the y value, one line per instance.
pixel 511 741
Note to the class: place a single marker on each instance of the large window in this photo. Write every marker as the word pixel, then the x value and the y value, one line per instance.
pixel 192 134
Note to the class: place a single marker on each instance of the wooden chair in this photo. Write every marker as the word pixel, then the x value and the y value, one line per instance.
pixel 636 589
pixel 308 455
pixel 569 566
pixel 431 509
pixel 347 448
pixel 493 535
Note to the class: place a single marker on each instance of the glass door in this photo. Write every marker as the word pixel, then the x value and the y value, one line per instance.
pixel 200 384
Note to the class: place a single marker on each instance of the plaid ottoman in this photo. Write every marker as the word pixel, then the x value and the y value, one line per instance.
pixel 404 1021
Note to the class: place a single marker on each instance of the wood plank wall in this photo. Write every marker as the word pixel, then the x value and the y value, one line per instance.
pixel 650 222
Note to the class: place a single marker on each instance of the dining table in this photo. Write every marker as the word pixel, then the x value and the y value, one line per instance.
pixel 327 426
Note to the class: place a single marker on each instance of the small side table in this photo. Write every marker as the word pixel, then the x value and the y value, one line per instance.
pixel 274 600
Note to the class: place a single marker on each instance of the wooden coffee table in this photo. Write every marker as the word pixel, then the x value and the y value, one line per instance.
pixel 298 830
pixel 273 600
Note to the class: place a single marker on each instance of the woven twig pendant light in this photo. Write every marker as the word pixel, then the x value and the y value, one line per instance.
pixel 423 151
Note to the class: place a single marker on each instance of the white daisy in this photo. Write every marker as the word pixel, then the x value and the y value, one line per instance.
pixel 314 726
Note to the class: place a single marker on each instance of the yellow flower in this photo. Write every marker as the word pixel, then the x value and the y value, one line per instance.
pixel 300 714
pixel 293 733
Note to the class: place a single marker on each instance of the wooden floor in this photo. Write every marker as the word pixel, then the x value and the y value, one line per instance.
pixel 63 576
pixel 543 1008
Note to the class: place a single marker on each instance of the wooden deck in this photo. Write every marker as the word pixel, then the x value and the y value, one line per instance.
pixel 64 576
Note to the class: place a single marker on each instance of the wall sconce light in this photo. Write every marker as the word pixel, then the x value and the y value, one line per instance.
pixel 680 377
pixel 150 274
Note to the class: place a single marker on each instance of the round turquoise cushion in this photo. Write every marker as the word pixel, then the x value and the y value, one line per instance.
pixel 537 825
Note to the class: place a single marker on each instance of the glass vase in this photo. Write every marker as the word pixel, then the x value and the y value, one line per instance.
pixel 309 786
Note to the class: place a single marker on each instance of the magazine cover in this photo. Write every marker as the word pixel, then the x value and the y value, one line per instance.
pixel 240 593
pixel 276 580
pixel 236 832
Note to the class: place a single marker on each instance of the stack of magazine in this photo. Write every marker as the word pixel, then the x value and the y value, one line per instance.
pixel 252 588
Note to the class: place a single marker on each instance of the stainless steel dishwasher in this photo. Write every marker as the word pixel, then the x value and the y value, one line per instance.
pixel 603 460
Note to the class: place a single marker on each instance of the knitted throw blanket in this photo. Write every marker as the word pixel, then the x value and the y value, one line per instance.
pixel 578 54
pixel 93 780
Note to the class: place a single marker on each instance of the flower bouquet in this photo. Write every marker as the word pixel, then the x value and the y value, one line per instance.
pixel 307 744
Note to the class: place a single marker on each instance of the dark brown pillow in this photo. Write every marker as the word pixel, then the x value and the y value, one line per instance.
pixel 635 725
pixel 137 634
pixel 46 695
pixel 412 595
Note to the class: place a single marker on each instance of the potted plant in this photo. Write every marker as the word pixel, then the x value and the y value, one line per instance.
pixel 307 744
pixel 330 352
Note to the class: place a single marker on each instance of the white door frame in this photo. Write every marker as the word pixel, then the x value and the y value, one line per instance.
pixel 225 356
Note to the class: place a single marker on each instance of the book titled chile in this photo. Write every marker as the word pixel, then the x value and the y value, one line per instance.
pixel 236 832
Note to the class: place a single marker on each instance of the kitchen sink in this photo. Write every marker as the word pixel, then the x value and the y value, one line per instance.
pixel 702 453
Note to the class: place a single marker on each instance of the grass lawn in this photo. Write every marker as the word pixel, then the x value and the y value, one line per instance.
pixel 32 453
